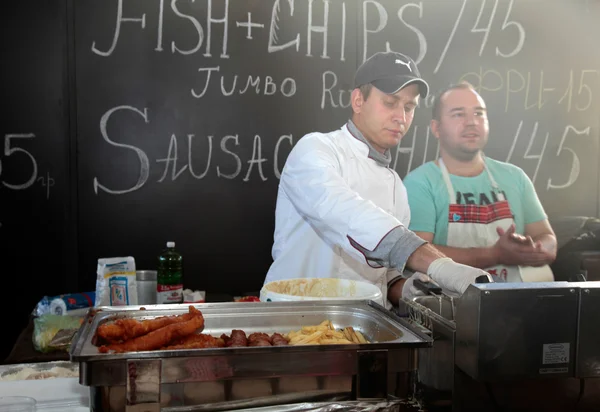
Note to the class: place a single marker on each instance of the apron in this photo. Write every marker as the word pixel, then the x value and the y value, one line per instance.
pixel 475 226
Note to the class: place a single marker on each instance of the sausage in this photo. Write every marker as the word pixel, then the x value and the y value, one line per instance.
pixel 238 339
pixel 279 340
pixel 259 339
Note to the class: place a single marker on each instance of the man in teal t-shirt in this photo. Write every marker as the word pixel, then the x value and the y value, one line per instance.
pixel 478 211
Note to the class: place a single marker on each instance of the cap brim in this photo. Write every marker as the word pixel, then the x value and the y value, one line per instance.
pixel 392 85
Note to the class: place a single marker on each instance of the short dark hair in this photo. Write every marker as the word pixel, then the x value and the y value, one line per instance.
pixel 437 103
pixel 365 90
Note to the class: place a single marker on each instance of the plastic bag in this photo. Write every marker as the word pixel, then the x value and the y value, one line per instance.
pixel 48 327
pixel 61 304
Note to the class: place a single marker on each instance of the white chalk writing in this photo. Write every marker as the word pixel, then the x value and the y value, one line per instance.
pixel 420 36
pixel 276 160
pixel 329 82
pixel 575 163
pixel 197 26
pixel 249 25
pixel 527 154
pixel 171 158
pixel 10 150
pixel 382 18
pixel 144 162
pixel 174 166
pixel 47 182
pixel 210 21
pixel 287 88
pixel 534 90
pixel 317 30
pixel 120 19
pixel 521 30
pixel 343 41
pixel 274 29
pixel 452 33
pixel 21 160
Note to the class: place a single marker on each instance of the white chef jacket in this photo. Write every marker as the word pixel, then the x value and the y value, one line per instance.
pixel 330 191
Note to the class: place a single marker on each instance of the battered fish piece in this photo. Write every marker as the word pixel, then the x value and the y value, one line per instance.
pixel 160 337
pixel 196 341
pixel 126 329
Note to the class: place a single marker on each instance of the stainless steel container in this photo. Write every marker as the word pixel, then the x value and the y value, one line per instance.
pixel 146 286
pixel 526 339
pixel 523 330
pixel 435 316
pixel 588 345
pixel 231 378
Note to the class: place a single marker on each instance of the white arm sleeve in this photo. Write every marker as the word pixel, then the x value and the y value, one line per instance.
pixel 313 183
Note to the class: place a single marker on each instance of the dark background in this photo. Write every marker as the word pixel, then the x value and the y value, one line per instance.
pixel 107 152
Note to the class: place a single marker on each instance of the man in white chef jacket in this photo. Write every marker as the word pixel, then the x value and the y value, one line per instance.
pixel 342 212
pixel 479 211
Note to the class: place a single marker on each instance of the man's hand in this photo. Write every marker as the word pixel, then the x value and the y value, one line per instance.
pixel 453 276
pixel 409 291
pixel 514 249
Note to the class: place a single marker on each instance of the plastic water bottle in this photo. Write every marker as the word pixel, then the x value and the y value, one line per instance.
pixel 169 276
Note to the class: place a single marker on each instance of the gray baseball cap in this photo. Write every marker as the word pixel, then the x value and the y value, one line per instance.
pixel 390 72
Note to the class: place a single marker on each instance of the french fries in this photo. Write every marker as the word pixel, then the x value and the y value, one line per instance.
pixel 325 334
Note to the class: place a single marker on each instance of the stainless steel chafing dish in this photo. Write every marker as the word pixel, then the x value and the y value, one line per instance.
pixel 214 379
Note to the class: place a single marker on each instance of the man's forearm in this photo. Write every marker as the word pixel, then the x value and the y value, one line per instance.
pixel 422 257
pixel 478 257
pixel 395 291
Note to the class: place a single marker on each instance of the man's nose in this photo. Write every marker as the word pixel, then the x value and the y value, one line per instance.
pixel 400 115
pixel 472 119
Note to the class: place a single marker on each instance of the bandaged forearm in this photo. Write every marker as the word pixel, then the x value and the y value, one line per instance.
pixel 394 249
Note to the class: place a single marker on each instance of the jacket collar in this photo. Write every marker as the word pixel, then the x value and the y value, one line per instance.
pixel 381 159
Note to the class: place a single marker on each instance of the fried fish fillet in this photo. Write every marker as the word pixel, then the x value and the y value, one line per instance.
pixel 196 341
pixel 125 329
pixel 159 337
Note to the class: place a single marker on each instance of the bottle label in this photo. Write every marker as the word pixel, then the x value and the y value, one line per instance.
pixel 169 294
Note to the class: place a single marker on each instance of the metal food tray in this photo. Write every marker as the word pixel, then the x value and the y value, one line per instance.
pixel 380 327
pixel 391 350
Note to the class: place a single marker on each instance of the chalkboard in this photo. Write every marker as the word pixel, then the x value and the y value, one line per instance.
pixel 186 111
pixel 535 65
pixel 132 122
pixel 184 126
pixel 37 243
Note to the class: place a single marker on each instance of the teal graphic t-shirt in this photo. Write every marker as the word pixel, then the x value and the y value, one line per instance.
pixel 429 200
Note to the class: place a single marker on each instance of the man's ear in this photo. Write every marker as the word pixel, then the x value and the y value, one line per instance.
pixel 435 128
pixel 356 99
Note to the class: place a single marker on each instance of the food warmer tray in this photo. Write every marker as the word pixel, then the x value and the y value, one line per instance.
pixel 377 369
